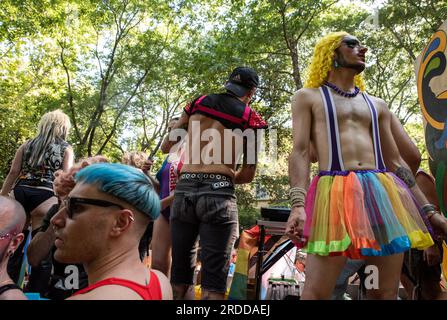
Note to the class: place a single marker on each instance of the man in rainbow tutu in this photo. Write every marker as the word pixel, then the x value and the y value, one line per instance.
pixel 364 203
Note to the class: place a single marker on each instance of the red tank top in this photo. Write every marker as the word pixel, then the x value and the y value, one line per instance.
pixel 150 292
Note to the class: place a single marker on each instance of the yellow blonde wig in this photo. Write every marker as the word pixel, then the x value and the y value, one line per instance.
pixel 323 61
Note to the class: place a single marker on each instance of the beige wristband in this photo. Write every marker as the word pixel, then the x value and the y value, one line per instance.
pixel 297 196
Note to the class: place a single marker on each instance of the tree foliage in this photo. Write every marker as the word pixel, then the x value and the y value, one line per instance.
pixel 122 68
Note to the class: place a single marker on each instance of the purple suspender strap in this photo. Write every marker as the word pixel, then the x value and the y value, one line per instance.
pixel 375 130
pixel 335 159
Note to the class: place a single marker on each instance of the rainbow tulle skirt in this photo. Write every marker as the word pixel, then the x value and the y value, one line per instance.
pixel 362 213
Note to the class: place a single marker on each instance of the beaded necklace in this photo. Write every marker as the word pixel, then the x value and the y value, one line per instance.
pixel 341 92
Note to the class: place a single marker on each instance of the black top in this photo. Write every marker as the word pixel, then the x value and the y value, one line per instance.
pixel 52 161
pixel 228 110
pixel 7 287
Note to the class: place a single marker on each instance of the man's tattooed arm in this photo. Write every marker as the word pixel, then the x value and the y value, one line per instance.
pixel 406 176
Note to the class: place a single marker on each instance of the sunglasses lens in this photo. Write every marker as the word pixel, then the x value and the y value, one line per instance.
pixel 68 208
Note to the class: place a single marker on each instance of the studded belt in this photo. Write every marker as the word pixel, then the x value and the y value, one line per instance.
pixel 222 180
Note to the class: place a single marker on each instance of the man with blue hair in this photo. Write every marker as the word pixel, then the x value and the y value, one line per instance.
pixel 100 225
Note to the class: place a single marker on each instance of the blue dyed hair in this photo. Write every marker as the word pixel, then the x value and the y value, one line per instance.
pixel 125 183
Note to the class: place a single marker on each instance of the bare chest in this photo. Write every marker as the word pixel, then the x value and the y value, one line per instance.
pixel 348 110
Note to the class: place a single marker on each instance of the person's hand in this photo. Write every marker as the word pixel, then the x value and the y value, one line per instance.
pixel 295 225
pixel 439 224
pixel 147 165
pixel 432 256
pixel 63 182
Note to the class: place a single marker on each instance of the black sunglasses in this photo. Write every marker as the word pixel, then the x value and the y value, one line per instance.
pixel 352 43
pixel 71 204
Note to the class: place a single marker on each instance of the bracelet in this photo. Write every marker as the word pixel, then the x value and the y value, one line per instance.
pixel 297 196
pixel 430 214
pixel 428 207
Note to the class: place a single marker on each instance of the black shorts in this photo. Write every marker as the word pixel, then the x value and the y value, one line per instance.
pixel 200 210
pixel 30 198
pixel 418 270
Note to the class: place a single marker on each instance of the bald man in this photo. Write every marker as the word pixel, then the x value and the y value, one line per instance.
pixel 12 221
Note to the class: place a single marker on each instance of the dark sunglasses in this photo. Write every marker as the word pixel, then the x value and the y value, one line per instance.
pixel 352 43
pixel 71 204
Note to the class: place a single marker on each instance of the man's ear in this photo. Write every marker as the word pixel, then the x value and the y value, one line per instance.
pixel 16 241
pixel 124 219
pixel 252 91
pixel 250 94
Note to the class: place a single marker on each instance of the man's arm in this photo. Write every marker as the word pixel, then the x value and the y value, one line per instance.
pixel 42 242
pixel 432 255
pixel 166 202
pixel 247 172
pixel 146 170
pixel 312 153
pixel 14 172
pixel 407 149
pixel 68 159
pixel 169 141
pixel 155 183
pixel 396 164
pixel 299 159
pixel 40 246
pixel 391 155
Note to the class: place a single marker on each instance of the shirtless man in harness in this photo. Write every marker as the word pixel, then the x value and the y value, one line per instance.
pixel 204 202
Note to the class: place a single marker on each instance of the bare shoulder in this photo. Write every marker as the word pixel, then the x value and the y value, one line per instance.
pixel 22 147
pixel 380 104
pixel 69 151
pixel 109 292
pixel 13 294
pixel 79 297
pixel 166 289
pixel 306 93
pixel 304 97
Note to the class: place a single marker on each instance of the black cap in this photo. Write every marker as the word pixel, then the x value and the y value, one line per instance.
pixel 241 80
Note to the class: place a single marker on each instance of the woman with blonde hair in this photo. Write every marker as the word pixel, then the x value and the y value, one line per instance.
pixel 32 171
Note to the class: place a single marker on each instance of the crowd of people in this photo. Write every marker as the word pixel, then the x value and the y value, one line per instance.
pixel 99 219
